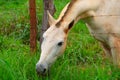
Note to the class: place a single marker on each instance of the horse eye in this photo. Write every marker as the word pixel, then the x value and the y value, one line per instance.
pixel 60 43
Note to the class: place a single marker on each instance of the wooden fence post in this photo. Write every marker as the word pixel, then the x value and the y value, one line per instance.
pixel 33 26
pixel 48 5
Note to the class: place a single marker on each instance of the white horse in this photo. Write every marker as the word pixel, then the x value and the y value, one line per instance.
pixel 103 21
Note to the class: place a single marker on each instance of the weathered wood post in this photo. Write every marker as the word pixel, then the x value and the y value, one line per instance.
pixel 48 5
pixel 33 26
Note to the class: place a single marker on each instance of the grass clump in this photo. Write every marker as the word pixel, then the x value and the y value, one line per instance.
pixel 82 60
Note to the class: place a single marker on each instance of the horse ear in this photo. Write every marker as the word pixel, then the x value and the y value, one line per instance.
pixel 71 25
pixel 51 20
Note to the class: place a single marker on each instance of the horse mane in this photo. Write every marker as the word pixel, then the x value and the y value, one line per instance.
pixel 66 12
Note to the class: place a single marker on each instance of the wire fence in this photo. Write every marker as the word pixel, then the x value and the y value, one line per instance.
pixel 15 11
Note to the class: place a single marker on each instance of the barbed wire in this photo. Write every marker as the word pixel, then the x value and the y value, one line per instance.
pixel 110 15
pixel 100 15
pixel 81 32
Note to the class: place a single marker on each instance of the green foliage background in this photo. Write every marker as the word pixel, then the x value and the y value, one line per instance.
pixel 83 59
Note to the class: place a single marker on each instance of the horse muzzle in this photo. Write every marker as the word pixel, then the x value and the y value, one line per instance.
pixel 42 69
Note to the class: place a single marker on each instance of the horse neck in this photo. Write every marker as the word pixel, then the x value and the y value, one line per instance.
pixel 67 15
pixel 109 7
pixel 76 8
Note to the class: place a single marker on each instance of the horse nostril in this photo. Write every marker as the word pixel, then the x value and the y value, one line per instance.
pixel 41 69
pixel 44 70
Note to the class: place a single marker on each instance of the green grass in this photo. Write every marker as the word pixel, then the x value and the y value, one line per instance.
pixel 83 59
